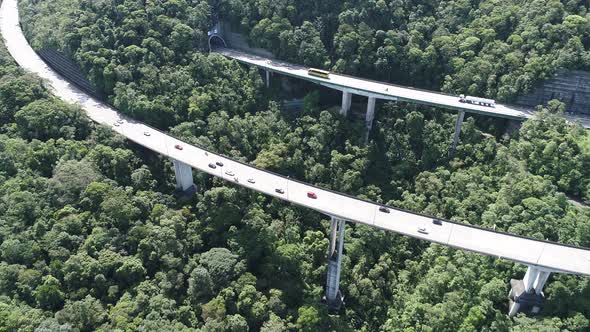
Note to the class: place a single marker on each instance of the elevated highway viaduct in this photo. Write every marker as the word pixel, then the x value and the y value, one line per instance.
pixel 541 257
pixel 374 90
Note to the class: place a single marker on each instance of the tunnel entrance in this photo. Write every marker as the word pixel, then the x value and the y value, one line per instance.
pixel 216 42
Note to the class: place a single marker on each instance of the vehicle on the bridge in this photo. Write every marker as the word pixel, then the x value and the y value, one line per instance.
pixel 120 121
pixel 116 124
pixel 212 165
pixel 311 194
pixel 318 73
pixel 250 180
pixel 437 222
pixel 279 191
pixel 178 147
pixel 383 209
pixel 219 163
pixel 230 173
pixel 422 230
pixel 147 133
pixel 477 101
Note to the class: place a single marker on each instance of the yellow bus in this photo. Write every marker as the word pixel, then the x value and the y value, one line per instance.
pixel 318 73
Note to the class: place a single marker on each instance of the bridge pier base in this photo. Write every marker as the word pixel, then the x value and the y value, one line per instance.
pixel 346 102
pixel 333 297
pixel 527 294
pixel 370 116
pixel 458 126
pixel 184 178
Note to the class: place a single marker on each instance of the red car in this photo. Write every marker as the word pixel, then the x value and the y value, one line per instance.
pixel 178 146
pixel 311 194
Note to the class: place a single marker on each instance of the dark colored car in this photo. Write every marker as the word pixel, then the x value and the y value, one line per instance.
pixel 437 222
pixel 279 191
pixel 178 146
pixel 383 209
pixel 219 163
pixel 311 194
pixel 212 165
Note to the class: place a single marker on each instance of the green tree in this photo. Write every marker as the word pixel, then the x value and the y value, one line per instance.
pixel 309 319
pixel 85 315
pixel 49 294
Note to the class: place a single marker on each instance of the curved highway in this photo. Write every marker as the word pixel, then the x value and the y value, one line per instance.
pixel 546 255
pixel 387 91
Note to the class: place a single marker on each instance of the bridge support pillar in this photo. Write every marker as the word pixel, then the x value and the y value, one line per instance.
pixel 267 78
pixel 184 178
pixel 458 126
pixel 527 294
pixel 513 127
pixel 333 297
pixel 369 117
pixel 346 102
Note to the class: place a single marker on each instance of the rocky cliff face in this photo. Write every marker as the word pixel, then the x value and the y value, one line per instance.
pixel 571 87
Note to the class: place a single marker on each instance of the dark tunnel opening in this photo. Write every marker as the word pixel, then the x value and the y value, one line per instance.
pixel 216 42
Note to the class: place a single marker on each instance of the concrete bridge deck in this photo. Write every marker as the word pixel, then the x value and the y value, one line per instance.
pixel 387 91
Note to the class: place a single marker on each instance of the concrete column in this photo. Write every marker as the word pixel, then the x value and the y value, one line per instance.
pixel 184 176
pixel 458 126
pixel 369 117
pixel 267 78
pixel 540 281
pixel 528 292
pixel 529 278
pixel 538 287
pixel 334 298
pixel 370 113
pixel 346 102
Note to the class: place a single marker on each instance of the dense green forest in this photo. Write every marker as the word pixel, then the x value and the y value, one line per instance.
pixel 492 47
pixel 92 237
